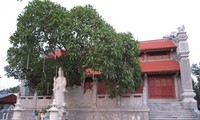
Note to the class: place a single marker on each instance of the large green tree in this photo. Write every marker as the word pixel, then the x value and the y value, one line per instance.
pixel 196 85
pixel 85 41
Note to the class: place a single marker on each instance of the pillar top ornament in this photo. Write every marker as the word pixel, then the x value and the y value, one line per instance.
pixel 181 34
pixel 181 29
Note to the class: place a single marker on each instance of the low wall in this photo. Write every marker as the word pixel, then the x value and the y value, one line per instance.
pixel 90 106
pixel 35 102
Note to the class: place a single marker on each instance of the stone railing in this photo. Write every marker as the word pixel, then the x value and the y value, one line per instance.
pixel 195 110
pixel 27 105
pixel 102 101
pixel 90 105
pixel 6 116
pixel 35 102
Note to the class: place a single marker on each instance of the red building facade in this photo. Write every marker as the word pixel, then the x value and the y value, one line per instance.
pixel 159 65
pixel 159 62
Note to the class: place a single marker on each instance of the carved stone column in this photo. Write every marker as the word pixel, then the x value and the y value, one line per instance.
pixel 145 91
pixel 185 70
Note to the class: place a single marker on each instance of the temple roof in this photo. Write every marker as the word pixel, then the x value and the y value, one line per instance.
pixel 157 44
pixel 150 67
pixel 89 71
pixel 160 66
pixel 8 98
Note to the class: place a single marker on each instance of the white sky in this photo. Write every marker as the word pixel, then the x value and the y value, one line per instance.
pixel 145 19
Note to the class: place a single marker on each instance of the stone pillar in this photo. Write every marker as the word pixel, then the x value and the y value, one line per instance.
pixel 176 86
pixel 185 70
pixel 35 100
pixel 53 112
pixel 93 100
pixel 146 84
pixel 22 88
pixel 144 97
pixel 17 111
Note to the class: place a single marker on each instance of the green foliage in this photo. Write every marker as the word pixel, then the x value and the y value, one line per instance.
pixel 196 85
pixel 85 41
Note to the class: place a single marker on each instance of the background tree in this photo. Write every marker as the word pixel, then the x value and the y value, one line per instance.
pixel 196 85
pixel 11 90
pixel 49 36
pixel 41 23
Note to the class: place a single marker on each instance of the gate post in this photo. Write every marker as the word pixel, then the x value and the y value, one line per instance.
pixel 185 71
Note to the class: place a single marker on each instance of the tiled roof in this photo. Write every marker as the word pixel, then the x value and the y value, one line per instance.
pixel 150 67
pixel 157 44
pixel 8 98
pixel 57 53
pixel 89 71
pixel 160 66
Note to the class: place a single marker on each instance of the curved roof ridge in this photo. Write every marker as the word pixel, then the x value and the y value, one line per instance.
pixel 155 40
pixel 158 44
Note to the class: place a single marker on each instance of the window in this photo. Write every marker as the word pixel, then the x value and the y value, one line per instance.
pixel 161 55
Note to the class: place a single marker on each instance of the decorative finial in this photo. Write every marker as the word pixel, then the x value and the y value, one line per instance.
pixel 181 29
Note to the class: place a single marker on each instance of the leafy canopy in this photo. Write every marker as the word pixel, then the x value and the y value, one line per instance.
pixel 196 72
pixel 85 41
